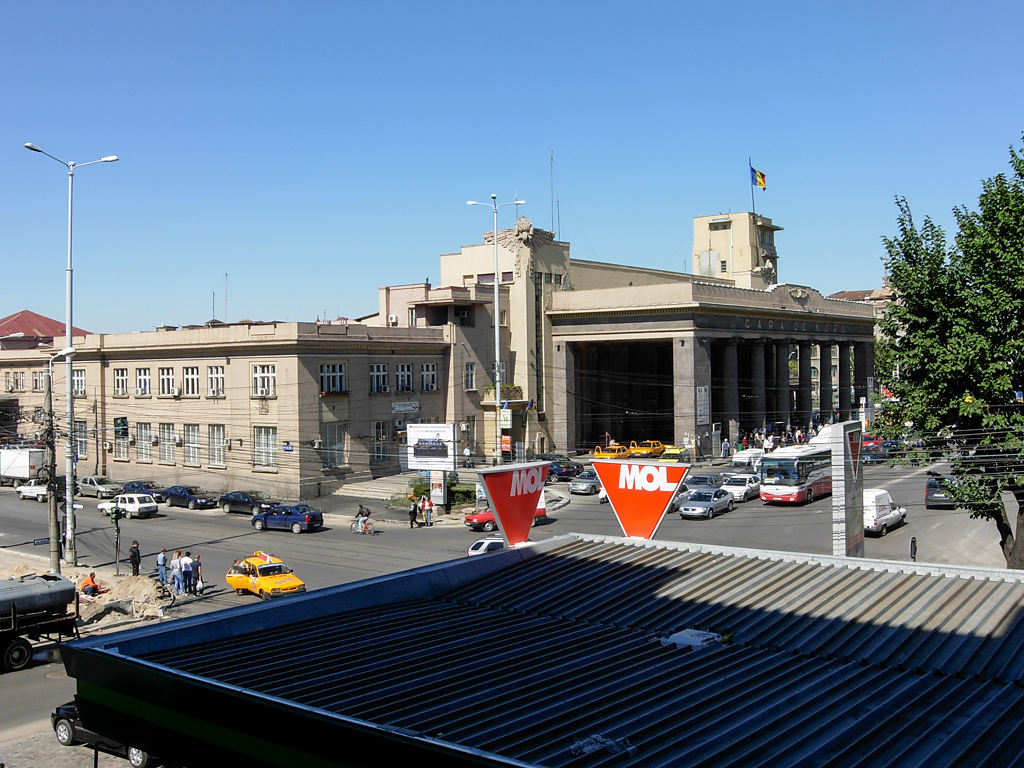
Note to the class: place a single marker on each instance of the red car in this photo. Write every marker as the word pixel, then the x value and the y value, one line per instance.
pixel 483 519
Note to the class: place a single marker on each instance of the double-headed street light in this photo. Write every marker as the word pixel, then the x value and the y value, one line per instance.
pixel 71 554
pixel 497 318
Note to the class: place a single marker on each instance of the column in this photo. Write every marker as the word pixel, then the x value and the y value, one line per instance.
pixel 691 382
pixel 562 403
pixel 824 381
pixel 731 389
pixel 757 384
pixel 803 392
pixel 782 402
pixel 860 375
pixel 844 380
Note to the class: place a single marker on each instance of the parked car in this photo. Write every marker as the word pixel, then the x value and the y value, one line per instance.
pixel 881 514
pixel 558 458
pixel 189 496
pixel 705 479
pixel 484 520
pixel 558 472
pixel 648 448
pixel 132 504
pixel 144 486
pixel 33 489
pixel 249 502
pixel 682 494
pixel 873 449
pixel 611 452
pixel 68 728
pixel 264 575
pixel 707 502
pixel 677 455
pixel 288 517
pixel 585 482
pixel 99 486
pixel 743 487
pixel 936 493
pixel 485 545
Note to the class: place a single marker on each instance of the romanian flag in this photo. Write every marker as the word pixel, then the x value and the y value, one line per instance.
pixel 757 178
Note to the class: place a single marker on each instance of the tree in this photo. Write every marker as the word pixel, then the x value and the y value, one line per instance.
pixel 954 349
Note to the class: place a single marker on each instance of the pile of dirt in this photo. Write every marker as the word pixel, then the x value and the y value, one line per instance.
pixel 17 571
pixel 131 597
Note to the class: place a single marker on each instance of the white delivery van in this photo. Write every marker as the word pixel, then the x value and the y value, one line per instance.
pixel 746 462
pixel 881 514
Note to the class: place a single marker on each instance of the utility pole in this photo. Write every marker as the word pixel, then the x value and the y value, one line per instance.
pixel 51 475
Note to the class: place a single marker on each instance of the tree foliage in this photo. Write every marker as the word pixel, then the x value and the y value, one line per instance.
pixel 953 348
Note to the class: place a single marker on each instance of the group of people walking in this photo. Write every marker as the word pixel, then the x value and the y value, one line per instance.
pixel 186 572
pixel 423 506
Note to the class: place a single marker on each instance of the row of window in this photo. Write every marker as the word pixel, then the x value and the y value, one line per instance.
pixel 380 379
pixel 165 443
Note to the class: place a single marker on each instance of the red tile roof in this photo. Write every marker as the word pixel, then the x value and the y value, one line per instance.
pixel 33 324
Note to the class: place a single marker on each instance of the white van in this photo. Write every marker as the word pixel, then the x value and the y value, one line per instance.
pixel 747 461
pixel 881 514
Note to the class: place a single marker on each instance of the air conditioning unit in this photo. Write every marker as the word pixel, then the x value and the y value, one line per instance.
pixel 462 314
pixel 139 391
pixel 399 423
pixel 215 393
pixel 318 444
pixel 392 319
pixel 10 387
pixel 177 440
pixel 106 445
pixel 227 442
pixel 131 440
pixel 261 392
pixel 176 392
pixel 464 426
pixel 154 441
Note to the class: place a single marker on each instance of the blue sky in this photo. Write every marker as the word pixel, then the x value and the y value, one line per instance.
pixel 314 151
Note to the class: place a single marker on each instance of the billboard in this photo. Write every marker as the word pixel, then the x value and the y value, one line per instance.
pixel 639 492
pixel 431 446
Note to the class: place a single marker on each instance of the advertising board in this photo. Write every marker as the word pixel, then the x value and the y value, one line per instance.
pixel 431 446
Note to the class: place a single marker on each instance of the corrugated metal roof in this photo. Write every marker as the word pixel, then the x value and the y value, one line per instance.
pixel 556 659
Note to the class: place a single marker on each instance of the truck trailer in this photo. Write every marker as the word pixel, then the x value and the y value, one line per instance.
pixel 34 608
pixel 18 465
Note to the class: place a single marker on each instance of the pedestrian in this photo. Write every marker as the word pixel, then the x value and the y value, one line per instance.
pixel 186 574
pixel 134 557
pixel 197 572
pixel 176 573
pixel 413 514
pixel 161 566
pixel 428 507
pixel 725 448
pixel 467 460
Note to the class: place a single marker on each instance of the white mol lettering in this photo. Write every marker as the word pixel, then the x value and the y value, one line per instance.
pixel 644 478
pixel 526 481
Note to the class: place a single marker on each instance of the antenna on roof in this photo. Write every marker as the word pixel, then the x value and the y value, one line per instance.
pixel 552 175
pixel 226 297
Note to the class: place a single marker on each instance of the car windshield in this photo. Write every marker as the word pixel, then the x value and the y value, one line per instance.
pixel 588 475
pixel 258 495
pixel 736 481
pixel 701 496
pixel 195 491
pixel 274 569
pixel 100 480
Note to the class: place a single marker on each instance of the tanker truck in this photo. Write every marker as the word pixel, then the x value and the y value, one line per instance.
pixel 34 608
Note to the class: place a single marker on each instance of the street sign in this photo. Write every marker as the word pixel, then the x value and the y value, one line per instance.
pixel 41 542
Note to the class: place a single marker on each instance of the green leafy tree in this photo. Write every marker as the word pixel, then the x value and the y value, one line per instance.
pixel 954 348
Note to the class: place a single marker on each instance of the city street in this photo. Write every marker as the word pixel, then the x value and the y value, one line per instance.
pixel 334 556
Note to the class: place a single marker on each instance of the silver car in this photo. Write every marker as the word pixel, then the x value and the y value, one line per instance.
pixel 743 487
pixel 707 502
pixel 585 482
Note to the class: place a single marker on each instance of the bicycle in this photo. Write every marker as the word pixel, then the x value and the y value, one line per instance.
pixel 367 529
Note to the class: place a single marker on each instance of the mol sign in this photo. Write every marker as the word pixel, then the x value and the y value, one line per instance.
pixel 639 492
pixel 513 492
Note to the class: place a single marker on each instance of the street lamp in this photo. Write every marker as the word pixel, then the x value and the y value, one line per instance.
pixel 69 450
pixel 51 464
pixel 497 317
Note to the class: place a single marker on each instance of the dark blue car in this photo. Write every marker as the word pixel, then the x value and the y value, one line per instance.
pixel 144 486
pixel 564 471
pixel 189 496
pixel 249 502
pixel 289 517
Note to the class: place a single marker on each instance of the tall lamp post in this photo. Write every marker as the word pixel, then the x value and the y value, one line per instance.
pixel 497 318
pixel 51 464
pixel 71 554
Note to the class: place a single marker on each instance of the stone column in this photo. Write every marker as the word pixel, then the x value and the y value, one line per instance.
pixel 782 403
pixel 757 384
pixel 860 375
pixel 562 405
pixel 691 381
pixel 803 392
pixel 731 389
pixel 824 381
pixel 844 380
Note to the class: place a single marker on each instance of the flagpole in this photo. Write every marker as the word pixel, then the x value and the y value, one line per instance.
pixel 750 170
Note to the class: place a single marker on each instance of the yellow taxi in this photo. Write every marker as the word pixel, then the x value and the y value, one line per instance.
pixel 673 454
pixel 611 452
pixel 265 575
pixel 648 448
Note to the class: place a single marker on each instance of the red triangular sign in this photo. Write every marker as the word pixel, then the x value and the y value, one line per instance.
pixel 512 491
pixel 853 439
pixel 639 492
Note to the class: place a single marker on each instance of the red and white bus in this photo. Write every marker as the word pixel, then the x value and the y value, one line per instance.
pixel 797 474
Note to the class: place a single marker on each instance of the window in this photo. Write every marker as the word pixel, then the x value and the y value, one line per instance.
pixel 217 445
pixel 142 381
pixel 264 380
pixel 264 447
pixel 8 385
pixel 120 382
pixel 332 377
pixel 469 379
pixel 78 382
pixel 121 437
pixel 379 444
pixel 332 451
pixel 167 443
pixel 166 378
pixel 488 277
pixel 143 438
pixel 190 382
pixel 428 377
pixel 81 439
pixel 378 378
pixel 215 380
pixel 191 442
pixel 403 377
pixel 412 317
pixel 38 380
pixel 503 315
pixel 506 277
pixel 19 381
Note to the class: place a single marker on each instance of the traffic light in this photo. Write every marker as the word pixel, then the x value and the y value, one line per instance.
pixel 115 515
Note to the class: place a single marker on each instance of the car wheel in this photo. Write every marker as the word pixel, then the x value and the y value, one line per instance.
pixel 41 499
pixel 21 496
pixel 810 496
pixel 137 758
pixel 296 528
pixel 264 595
pixel 17 654
pixel 225 508
pixel 65 732
pixel 593 491
pixel 710 513
pixel 128 514
pixel 732 505
pixel 883 530
pixel 259 525
pixel 191 504
pixel 254 509
pixel 489 526
pixel 167 501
